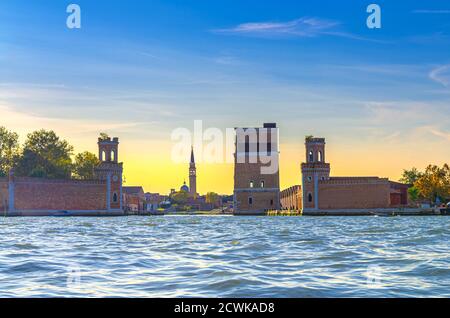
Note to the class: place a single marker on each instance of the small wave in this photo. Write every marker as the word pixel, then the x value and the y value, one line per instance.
pixel 25 246
pixel 27 267
pixel 228 284
pixel 85 224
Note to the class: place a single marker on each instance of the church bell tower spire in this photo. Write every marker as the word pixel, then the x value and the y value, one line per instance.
pixel 192 175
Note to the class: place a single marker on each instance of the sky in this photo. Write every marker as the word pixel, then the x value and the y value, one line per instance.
pixel 139 70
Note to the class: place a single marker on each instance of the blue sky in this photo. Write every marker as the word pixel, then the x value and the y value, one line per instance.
pixel 139 69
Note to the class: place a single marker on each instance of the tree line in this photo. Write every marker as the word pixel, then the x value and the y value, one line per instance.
pixel 432 185
pixel 44 155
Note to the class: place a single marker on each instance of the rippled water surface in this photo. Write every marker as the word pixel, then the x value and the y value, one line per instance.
pixel 225 256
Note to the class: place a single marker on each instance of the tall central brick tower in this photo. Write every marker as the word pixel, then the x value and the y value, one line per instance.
pixel 192 175
pixel 256 170
pixel 314 170
pixel 110 170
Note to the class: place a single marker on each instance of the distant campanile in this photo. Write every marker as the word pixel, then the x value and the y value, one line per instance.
pixel 192 175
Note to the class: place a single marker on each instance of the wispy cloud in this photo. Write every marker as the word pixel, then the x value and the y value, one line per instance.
pixel 439 133
pixel 302 27
pixel 432 11
pixel 403 121
pixel 395 112
pixel 441 75
pixel 305 27
pixel 25 122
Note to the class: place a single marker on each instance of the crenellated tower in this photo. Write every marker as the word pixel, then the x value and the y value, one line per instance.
pixel 314 170
pixel 110 170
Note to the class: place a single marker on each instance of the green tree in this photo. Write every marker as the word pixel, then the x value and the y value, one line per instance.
pixel 434 183
pixel 45 155
pixel 414 193
pixel 410 176
pixel 180 197
pixel 212 197
pixel 9 150
pixel 84 165
pixel 104 136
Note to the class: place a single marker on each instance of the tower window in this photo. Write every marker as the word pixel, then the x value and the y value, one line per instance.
pixel 250 200
pixel 115 197
pixel 311 156
pixel 262 184
pixel 310 197
pixel 319 156
pixel 247 144
pixel 251 184
pixel 309 179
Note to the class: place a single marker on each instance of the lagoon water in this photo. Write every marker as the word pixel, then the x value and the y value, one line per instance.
pixel 225 256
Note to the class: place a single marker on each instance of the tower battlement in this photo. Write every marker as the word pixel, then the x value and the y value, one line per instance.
pixel 311 139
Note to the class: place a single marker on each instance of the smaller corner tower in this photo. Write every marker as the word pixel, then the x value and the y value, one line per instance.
pixel 314 170
pixel 110 170
pixel 192 175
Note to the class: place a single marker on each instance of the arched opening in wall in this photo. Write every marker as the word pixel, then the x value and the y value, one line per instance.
pixel 103 155
pixel 310 197
pixel 251 184
pixel 115 198
pixel 250 200
pixel 113 155
pixel 311 156
pixel 319 156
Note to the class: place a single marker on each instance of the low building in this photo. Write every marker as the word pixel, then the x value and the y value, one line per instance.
pixel 399 194
pixel 291 198
pixel 344 195
pixel 134 199
pixel 153 201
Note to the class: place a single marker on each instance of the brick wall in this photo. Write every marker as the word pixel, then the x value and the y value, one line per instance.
pixel 396 199
pixel 261 201
pixel 42 194
pixel 263 198
pixel 354 193
pixel 246 172
pixel 115 189
pixel 291 198
pixel 311 172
